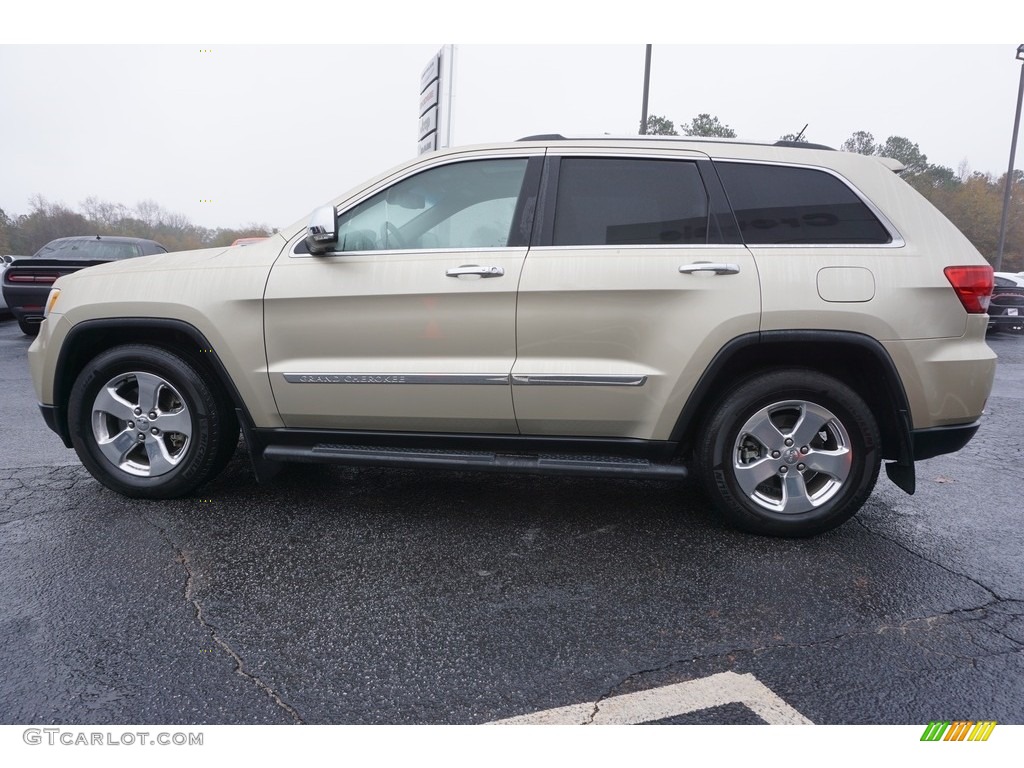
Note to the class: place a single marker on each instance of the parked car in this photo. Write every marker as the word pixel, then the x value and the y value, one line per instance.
pixel 4 261
pixel 1006 310
pixel 27 282
pixel 776 320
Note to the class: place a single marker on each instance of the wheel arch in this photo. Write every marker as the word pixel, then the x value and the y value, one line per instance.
pixel 856 359
pixel 90 338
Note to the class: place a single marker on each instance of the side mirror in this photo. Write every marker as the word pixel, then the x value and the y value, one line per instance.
pixel 322 232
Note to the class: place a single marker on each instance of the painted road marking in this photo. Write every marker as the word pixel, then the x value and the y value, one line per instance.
pixel 671 700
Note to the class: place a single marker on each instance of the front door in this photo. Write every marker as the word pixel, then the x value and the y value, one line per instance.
pixel 410 324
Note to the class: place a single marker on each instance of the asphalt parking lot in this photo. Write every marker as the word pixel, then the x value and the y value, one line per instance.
pixel 365 596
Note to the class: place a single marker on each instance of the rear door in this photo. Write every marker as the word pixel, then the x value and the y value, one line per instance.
pixel 628 293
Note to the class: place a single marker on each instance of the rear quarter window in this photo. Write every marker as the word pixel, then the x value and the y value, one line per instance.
pixel 786 205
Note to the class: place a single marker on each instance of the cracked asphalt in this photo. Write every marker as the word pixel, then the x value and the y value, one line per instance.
pixel 365 596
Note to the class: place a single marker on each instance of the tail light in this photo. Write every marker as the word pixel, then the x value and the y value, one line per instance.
pixel 973 286
pixel 37 279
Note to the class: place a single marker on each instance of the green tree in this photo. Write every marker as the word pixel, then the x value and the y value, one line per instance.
pixel 793 137
pixel 707 125
pixel 907 152
pixel 861 142
pixel 6 226
pixel 660 126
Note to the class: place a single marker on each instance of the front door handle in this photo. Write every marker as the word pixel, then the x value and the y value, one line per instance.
pixel 718 268
pixel 473 270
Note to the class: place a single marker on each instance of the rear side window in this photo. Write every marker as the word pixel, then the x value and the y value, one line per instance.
pixel 616 201
pixel 782 205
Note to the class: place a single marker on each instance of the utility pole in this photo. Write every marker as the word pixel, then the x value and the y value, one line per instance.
pixel 1009 172
pixel 647 88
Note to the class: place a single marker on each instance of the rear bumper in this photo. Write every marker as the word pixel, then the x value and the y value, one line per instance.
pixel 26 300
pixel 936 441
pixel 1006 323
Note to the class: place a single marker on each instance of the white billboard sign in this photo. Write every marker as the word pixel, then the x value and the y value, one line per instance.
pixel 435 126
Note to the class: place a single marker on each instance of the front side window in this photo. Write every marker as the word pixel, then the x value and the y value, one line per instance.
pixel 462 205
pixel 625 201
pixel 785 205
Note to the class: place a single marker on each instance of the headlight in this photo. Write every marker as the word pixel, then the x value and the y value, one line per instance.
pixel 51 301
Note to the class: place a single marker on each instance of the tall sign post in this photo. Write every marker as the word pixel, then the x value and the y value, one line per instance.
pixel 435 113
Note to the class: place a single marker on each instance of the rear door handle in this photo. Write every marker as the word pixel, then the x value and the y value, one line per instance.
pixel 718 268
pixel 472 270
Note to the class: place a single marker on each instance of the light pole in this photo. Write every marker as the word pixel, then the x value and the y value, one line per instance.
pixel 1009 172
pixel 647 88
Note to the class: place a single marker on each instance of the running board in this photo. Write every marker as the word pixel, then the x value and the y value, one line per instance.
pixel 486 461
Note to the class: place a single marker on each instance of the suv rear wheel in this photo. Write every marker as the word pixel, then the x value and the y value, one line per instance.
pixel 790 453
pixel 146 423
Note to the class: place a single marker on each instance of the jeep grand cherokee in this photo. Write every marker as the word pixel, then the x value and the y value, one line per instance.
pixel 777 320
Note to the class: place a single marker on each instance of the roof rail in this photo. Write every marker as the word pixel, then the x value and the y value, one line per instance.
pixel 780 143
pixel 802 145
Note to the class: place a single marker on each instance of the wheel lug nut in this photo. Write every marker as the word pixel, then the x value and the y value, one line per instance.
pixel 775 454
pixel 142 436
pixel 805 450
pixel 155 431
pixel 138 411
pixel 801 467
pixel 783 470
pixel 152 414
pixel 131 425
pixel 789 441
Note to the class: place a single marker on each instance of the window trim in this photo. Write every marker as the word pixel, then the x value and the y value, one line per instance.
pixel 529 190
pixel 896 239
pixel 544 225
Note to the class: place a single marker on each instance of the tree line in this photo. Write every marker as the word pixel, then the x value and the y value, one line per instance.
pixel 25 234
pixel 972 200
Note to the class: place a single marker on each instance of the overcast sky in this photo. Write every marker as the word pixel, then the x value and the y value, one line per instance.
pixel 268 132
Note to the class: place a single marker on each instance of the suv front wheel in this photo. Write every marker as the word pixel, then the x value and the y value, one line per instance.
pixel 146 423
pixel 790 453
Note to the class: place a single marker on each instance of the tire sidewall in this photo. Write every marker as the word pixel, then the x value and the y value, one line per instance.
pixel 755 394
pixel 197 399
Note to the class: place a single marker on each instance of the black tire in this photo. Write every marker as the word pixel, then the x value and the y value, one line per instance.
pixel 146 422
pixel 29 329
pixel 814 482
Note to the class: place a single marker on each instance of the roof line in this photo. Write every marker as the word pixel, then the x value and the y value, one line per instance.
pixel 706 139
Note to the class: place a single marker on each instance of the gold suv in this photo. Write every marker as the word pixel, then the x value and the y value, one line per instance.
pixel 776 319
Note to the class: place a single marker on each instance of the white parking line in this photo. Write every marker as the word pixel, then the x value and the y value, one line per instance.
pixel 671 700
